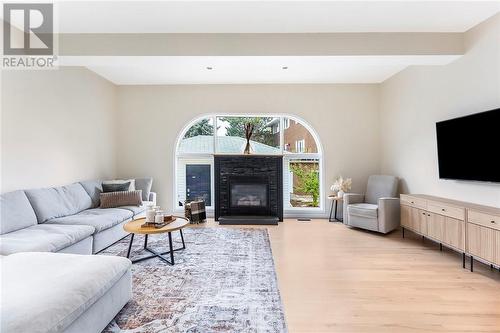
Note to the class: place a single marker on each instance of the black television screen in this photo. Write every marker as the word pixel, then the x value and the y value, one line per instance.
pixel 469 147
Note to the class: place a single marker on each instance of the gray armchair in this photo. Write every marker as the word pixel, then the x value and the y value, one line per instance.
pixel 378 209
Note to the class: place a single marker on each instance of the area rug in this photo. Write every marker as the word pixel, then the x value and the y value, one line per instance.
pixel 224 281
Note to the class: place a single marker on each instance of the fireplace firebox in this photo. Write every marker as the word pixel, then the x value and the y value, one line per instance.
pixel 248 195
pixel 248 188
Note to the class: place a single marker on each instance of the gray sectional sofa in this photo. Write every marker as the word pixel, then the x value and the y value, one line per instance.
pixel 70 290
pixel 62 219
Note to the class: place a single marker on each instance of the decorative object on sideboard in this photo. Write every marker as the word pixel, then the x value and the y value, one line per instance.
pixel 341 185
pixel 249 127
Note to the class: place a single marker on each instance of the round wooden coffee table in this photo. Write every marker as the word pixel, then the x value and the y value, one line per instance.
pixel 135 227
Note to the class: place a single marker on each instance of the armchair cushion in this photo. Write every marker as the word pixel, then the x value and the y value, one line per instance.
pixel 363 209
pixel 350 198
pixel 380 186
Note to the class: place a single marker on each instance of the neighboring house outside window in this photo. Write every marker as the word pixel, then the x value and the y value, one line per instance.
pixel 296 132
pixel 299 146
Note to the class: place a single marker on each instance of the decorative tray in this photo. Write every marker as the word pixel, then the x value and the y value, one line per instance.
pixel 167 220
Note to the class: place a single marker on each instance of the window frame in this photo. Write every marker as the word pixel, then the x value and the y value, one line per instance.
pixel 287 156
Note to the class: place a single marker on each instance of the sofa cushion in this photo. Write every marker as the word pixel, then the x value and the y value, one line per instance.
pixel 100 219
pixel 63 288
pixel 50 203
pixel 93 189
pixel 15 212
pixel 145 185
pixel 43 238
pixel 363 209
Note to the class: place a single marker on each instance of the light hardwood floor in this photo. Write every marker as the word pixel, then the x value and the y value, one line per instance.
pixel 336 279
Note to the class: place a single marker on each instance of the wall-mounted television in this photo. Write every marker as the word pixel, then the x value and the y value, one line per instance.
pixel 469 147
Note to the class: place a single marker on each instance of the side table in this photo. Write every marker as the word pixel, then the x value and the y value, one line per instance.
pixel 335 200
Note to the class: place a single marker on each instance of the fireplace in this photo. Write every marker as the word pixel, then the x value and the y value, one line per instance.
pixel 248 187
pixel 248 195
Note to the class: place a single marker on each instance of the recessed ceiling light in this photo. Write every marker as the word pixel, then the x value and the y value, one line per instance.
pixel 284 67
pixel 209 68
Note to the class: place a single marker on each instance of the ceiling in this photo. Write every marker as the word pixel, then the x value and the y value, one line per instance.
pixel 271 16
pixel 262 17
pixel 248 70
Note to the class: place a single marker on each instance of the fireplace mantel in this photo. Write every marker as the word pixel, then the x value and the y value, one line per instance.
pixel 238 170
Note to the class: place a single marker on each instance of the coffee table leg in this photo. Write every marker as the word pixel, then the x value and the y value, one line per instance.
pixel 182 237
pixel 130 245
pixel 171 247
pixel 146 241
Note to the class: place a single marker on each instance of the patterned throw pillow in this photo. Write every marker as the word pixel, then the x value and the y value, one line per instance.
pixel 121 198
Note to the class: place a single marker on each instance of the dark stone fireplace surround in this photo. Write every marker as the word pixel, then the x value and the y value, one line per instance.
pixel 233 170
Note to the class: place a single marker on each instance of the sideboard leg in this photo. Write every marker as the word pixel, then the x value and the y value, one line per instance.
pixel 440 247
pixel 471 263
pixel 463 260
pixel 403 231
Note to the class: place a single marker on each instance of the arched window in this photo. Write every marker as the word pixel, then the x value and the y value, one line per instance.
pixel 224 134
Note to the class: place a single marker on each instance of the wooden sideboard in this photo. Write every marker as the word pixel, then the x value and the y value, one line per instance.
pixel 471 229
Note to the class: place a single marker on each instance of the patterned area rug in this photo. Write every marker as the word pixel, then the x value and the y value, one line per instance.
pixel 224 281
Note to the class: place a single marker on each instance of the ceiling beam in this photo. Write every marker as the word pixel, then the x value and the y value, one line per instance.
pixel 301 44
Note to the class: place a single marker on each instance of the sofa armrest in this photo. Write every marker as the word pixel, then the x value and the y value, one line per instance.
pixel 389 214
pixel 350 198
pixel 152 197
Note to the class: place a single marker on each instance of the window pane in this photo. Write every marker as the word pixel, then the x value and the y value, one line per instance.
pixel 198 138
pixel 301 183
pixel 231 135
pixel 297 138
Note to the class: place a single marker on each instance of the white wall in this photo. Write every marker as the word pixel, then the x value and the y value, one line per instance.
pixel 58 127
pixel 346 118
pixel 416 98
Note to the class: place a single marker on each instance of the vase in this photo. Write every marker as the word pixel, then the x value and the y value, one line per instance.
pixel 247 149
pixel 340 194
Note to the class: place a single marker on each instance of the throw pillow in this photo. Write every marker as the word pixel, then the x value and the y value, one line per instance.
pixel 115 187
pixel 144 184
pixel 121 181
pixel 121 198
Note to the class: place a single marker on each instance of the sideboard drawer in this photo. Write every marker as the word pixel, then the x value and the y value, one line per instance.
pixel 446 210
pixel 484 219
pixel 413 201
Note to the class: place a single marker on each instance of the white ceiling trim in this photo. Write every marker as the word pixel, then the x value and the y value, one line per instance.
pixel 250 69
